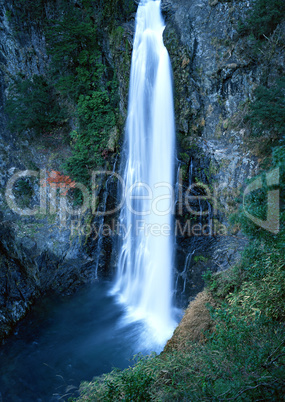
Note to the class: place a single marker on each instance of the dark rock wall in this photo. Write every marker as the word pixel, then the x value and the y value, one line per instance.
pixel 214 76
pixel 38 254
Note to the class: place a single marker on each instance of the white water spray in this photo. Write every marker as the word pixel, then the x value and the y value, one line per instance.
pixel 144 277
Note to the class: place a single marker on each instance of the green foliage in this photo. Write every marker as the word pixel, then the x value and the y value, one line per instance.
pixel 79 78
pixel 128 385
pixel 73 42
pixel 23 191
pixel 263 18
pixel 265 295
pixel 200 258
pixel 242 360
pixel 244 350
pixel 267 112
pixel 96 117
pixel 256 285
pixel 116 9
pixel 222 284
pixel 264 40
pixel 82 76
pixel 29 11
pixel 33 105
pixel 256 203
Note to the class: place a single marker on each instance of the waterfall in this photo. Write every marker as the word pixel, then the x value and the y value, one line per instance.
pixel 144 275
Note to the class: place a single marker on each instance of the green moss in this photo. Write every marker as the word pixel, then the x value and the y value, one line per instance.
pixel 184 157
pixel 201 258
pixel 219 128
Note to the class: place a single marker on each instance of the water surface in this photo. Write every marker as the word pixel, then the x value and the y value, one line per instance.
pixel 64 341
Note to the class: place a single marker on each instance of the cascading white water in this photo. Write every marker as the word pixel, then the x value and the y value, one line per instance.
pixel 144 277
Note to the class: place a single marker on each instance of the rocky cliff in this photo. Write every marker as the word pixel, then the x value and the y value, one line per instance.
pixel 215 72
pixel 43 251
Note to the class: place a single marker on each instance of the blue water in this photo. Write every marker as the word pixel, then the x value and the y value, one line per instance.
pixel 64 341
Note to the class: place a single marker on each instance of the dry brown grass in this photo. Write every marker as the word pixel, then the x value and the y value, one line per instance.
pixel 193 325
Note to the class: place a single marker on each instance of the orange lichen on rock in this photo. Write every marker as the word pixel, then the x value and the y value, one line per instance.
pixel 57 180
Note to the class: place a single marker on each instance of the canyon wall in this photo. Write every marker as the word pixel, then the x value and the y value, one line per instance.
pixel 215 73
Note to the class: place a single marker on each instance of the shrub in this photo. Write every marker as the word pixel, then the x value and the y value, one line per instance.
pixel 33 105
pixel 29 12
pixel 72 41
pixel 78 77
pixel 263 18
pixel 242 360
pixel 82 76
pixel 128 385
pixel 267 111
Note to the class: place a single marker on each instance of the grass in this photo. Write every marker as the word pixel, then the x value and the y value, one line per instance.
pixel 229 345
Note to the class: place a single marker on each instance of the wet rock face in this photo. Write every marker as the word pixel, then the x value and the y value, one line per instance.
pixel 214 76
pixel 50 251
pixel 30 267
pixel 37 254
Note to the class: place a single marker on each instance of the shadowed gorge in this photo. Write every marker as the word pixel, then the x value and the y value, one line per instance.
pixel 142 181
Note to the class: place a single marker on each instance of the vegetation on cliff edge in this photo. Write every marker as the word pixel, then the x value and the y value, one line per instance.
pixel 77 97
pixel 240 353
